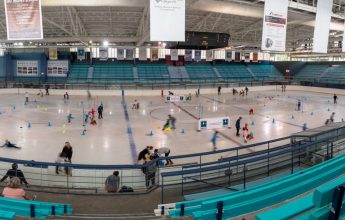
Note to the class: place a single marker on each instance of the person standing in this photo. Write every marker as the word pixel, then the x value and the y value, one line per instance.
pixel 245 133
pixel 47 89
pixel 219 90
pixel 26 98
pixel 67 150
pixel 112 182
pixel 335 98
pixel 246 90
pixel 15 172
pixel 214 140
pixel 238 126
pixel 299 105
pixel 100 111
pixel 166 152
pixel 61 159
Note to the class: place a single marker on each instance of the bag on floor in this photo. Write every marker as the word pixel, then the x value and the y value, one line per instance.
pixel 126 189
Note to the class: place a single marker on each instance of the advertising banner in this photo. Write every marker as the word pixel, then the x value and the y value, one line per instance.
pixel 103 53
pixel 274 25
pixel 142 54
pixel 154 54
pixel 209 55
pixel 188 55
pixel 23 19
pixel 120 54
pixel 81 54
pixel 53 53
pixel 129 54
pixel 197 55
pixel 174 54
pixel 167 20
pixel 228 55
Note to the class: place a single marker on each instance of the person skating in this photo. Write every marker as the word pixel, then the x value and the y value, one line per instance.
pixel 26 98
pixel 238 126
pixel 246 89
pixel 245 132
pixel 214 140
pixel 10 145
pixel 219 90
pixel 335 99
pixel 100 111
pixel 172 122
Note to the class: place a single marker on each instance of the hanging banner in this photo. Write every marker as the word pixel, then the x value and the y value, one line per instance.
pixel 129 54
pixel 57 67
pixel 209 55
pixel 322 24
pixel 81 54
pixel 27 68
pixel 142 54
pixel 188 55
pixel 103 53
pixel 197 55
pixel 274 25
pixel 174 54
pixel 120 54
pixel 228 55
pixel 53 53
pixel 237 56
pixel 255 57
pixel 167 20
pixel 247 57
pixel 23 19
pixel 154 54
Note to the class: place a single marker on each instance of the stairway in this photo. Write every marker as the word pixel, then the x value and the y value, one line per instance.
pixel 135 73
pixel 90 74
pixel 217 72
pixel 178 72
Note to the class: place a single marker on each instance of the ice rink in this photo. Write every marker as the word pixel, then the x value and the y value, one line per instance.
pixel 41 127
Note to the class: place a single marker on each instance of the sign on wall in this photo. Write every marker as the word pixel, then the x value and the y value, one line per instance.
pixel 174 54
pixel 23 19
pixel 167 20
pixel 103 53
pixel 129 54
pixel 27 68
pixel 57 67
pixel 120 54
pixel 228 55
pixel 213 123
pixel 322 24
pixel 154 54
pixel 53 53
pixel 81 54
pixel 274 25
pixel 188 55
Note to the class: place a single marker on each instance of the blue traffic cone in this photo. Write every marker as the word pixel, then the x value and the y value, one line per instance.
pixel 312 113
pixel 292 117
pixel 150 134
pixel 328 109
pixel 49 124
pixel 83 133
pixel 273 121
pixel 29 125
pixel 182 131
pixel 253 123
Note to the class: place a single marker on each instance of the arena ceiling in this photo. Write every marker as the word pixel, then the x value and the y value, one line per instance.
pixel 126 22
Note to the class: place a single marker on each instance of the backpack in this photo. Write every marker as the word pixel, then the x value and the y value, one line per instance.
pixel 126 189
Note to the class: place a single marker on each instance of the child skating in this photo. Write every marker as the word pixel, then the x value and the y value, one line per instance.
pixel 69 118
pixel 214 140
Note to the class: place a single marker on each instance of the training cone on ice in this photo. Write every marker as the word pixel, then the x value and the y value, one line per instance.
pixel 49 124
pixel 150 134
pixel 304 127
pixel 312 113
pixel 182 131
pixel 29 125
pixel 83 133
pixel 253 123
pixel 273 121
pixel 292 117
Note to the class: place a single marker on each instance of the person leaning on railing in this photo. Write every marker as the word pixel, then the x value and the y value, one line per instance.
pixel 15 172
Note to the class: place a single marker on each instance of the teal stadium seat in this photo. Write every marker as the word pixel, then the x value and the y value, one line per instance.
pixel 78 73
pixel 113 73
pixel 310 72
pixel 265 72
pixel 7 215
pixel 201 73
pixel 234 72
pixel 153 73
pixel 255 198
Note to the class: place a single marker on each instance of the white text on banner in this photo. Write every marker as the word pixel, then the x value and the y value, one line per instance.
pixel 167 20
pixel 322 23
pixel 274 25
pixel 24 20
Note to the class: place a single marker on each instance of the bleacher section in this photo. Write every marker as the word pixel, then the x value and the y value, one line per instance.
pixel 112 73
pixel 234 72
pixel 310 73
pixel 334 74
pixel 155 73
pixel 201 73
pixel 265 71
pixel 78 73
pixel 11 208
pixel 259 197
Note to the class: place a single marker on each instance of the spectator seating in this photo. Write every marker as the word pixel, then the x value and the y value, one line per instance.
pixel 34 209
pixel 262 196
pixel 155 73
pixel 334 74
pixel 201 72
pixel 265 71
pixel 78 73
pixel 111 72
pixel 311 72
pixel 7 215
pixel 234 72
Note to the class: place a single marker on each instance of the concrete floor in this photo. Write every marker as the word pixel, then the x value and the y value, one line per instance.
pixel 117 139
